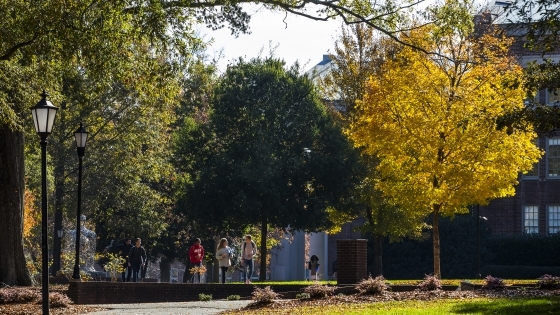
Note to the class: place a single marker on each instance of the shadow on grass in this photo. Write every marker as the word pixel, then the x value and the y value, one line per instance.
pixel 516 306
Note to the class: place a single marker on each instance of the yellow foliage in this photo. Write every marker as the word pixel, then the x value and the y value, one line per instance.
pixel 431 121
pixel 30 214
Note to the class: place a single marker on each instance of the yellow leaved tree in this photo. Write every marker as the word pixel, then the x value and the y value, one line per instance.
pixel 431 119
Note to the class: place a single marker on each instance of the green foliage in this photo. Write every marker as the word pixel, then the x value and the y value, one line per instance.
pixel 525 250
pixel 204 297
pixel 265 150
pixel 412 259
pixel 233 298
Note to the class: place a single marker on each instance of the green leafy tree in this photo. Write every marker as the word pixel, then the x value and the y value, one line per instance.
pixel 270 154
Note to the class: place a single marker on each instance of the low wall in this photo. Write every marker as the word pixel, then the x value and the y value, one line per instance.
pixel 141 292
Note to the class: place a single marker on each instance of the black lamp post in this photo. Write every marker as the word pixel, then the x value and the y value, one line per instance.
pixel 81 137
pixel 43 118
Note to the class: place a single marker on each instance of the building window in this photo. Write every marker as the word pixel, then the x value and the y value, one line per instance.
pixel 531 219
pixel 553 219
pixel 553 157
pixel 534 172
pixel 553 97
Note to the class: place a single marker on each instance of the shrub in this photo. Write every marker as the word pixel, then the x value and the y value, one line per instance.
pixel 302 296
pixel 264 296
pixel 372 286
pixel 319 291
pixel 493 283
pixel 59 300
pixel 430 283
pixel 18 295
pixel 548 282
pixel 205 297
pixel 519 272
pixel 233 297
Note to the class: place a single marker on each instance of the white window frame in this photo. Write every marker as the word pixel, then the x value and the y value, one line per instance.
pixel 556 142
pixel 553 219
pixel 549 102
pixel 529 212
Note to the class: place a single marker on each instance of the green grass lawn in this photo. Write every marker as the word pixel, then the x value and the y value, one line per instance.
pixel 481 306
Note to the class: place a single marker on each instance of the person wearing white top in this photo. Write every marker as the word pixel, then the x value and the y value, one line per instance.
pixel 248 250
pixel 223 254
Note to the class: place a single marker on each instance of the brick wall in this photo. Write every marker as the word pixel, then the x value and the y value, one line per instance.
pixel 352 261
pixel 141 292
pixel 505 215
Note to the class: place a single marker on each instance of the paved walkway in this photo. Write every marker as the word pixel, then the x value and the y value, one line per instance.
pixel 179 308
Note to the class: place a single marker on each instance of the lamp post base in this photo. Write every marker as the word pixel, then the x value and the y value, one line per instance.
pixel 76 275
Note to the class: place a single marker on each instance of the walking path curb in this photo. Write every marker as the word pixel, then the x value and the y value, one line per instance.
pixel 177 308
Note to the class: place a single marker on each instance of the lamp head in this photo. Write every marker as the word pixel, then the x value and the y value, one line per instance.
pixel 44 113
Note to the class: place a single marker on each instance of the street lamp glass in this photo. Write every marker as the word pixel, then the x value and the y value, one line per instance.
pixel 81 137
pixel 43 115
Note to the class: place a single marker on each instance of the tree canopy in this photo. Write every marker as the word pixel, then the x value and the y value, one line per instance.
pixel 431 119
pixel 271 154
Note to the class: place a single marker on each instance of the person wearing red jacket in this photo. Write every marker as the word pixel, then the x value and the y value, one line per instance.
pixel 196 254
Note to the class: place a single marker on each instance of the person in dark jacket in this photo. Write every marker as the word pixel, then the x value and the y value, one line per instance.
pixel 136 259
pixel 123 252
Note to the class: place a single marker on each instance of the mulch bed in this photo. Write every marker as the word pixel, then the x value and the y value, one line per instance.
pixel 34 308
pixel 284 305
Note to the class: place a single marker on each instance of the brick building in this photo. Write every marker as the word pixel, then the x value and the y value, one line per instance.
pixel 535 208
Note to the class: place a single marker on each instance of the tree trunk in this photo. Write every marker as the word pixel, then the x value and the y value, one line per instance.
pixel 13 269
pixel 264 232
pixel 165 269
pixel 216 263
pixel 378 255
pixel 437 269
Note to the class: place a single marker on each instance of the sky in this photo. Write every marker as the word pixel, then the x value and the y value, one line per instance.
pixel 301 39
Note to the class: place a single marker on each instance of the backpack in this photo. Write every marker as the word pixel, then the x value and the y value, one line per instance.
pixel 252 244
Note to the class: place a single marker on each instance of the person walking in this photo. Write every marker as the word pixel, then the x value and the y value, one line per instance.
pixel 196 254
pixel 136 259
pixel 123 252
pixel 223 253
pixel 248 250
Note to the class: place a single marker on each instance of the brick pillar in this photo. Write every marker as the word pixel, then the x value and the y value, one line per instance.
pixel 351 256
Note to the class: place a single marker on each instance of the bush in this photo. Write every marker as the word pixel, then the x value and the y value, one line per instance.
pixel 519 272
pixel 205 297
pixel 493 283
pixel 264 296
pixel 319 291
pixel 548 282
pixel 302 296
pixel 372 286
pixel 430 283
pixel 18 295
pixel 233 297
pixel 59 300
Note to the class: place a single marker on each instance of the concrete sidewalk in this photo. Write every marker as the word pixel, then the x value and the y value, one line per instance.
pixel 178 308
